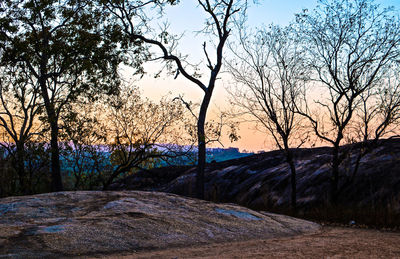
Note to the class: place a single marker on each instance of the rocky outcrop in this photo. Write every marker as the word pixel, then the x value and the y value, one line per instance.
pixel 262 181
pixel 70 224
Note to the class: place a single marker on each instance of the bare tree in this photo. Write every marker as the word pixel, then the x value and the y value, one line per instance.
pixel 138 131
pixel 269 69
pixel 379 113
pixel 377 116
pixel 350 44
pixel 118 135
pixel 218 24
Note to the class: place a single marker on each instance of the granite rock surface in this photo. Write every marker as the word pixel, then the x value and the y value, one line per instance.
pixel 68 224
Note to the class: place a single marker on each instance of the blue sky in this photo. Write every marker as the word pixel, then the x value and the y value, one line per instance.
pixel 186 16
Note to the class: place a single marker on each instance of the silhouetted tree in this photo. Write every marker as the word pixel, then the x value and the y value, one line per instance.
pixel 350 44
pixel 67 48
pixel 377 116
pixel 138 132
pixel 218 24
pixel 268 66
pixel 19 110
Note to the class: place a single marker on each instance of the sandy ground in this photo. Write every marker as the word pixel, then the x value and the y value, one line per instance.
pixel 331 242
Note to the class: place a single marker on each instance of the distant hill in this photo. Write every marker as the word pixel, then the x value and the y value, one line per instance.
pixel 186 158
pixel 261 182
pixel 223 154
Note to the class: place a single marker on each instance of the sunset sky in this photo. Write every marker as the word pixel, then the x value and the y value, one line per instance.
pixel 186 18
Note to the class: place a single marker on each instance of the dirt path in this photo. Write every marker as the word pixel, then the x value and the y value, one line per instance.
pixel 331 242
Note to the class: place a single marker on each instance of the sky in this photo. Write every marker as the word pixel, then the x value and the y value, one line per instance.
pixel 187 18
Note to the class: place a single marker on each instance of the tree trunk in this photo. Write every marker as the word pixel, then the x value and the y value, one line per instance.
pixel 110 179
pixel 20 168
pixel 201 163
pixel 293 182
pixel 56 183
pixel 335 175
pixel 117 171
pixel 290 161
pixel 52 119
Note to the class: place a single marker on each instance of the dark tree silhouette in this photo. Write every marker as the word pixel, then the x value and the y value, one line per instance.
pixel 269 69
pixel 350 45
pixel 377 116
pixel 218 24
pixel 67 48
pixel 19 110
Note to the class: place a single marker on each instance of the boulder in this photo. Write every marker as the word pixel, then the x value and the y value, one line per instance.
pixel 68 224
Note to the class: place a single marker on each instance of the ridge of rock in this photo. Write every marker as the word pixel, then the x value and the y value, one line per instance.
pixel 262 181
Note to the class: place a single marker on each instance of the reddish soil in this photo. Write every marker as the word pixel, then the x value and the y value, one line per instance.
pixel 330 242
